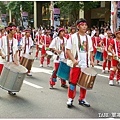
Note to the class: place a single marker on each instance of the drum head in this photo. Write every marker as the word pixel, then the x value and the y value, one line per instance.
pixel 110 54
pixel 2 60
pixel 15 68
pixel 28 56
pixel 49 53
pixel 40 46
pixel 89 71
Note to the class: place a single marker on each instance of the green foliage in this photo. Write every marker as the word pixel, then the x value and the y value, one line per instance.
pixel 71 8
pixel 3 7
pixel 14 6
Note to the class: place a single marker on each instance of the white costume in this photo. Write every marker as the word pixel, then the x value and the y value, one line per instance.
pixel 56 43
pixel 72 44
pixel 10 46
pixel 26 44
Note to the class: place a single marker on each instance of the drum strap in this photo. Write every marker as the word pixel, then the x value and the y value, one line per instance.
pixel 63 48
pixel 79 46
pixel 8 46
pixel 26 44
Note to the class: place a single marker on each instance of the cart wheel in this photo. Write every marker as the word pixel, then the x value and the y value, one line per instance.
pixel 11 93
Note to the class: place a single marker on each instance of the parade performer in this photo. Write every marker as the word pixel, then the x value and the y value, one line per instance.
pixel 72 31
pixel 38 40
pixel 106 56
pixel 96 40
pixel 114 48
pixel 18 36
pixel 27 45
pixel 9 48
pixel 46 42
pixel 2 31
pixel 58 47
pixel 1 35
pixel 74 53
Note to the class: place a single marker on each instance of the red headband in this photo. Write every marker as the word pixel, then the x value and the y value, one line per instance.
pixel 11 28
pixel 82 23
pixel 26 30
pixel 61 29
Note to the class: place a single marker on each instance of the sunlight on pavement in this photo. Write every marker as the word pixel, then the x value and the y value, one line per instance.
pixel 31 84
pixel 34 70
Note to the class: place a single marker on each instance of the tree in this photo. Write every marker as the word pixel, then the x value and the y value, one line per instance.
pixel 14 6
pixel 72 7
pixel 3 7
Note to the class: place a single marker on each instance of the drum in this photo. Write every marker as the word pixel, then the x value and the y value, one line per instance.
pixel 12 77
pixel 87 78
pixel 109 55
pixel 99 56
pixel 100 49
pixel 27 61
pixel 49 54
pixel 40 46
pixel 2 62
pixel 1 67
pixel 63 71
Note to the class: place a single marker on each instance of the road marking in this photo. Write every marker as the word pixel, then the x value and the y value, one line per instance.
pixel 103 75
pixel 31 84
pixel 34 69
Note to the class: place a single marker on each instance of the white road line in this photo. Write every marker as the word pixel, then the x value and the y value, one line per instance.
pixel 103 75
pixel 34 70
pixel 31 84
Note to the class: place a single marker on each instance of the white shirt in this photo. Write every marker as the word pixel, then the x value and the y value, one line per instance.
pixel 4 47
pixel 27 46
pixel 101 36
pixel 56 42
pixel 72 44
pixel 93 33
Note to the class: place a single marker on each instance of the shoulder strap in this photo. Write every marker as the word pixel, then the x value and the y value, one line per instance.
pixel 25 46
pixel 87 49
pixel 8 49
pixel 79 41
pixel 79 46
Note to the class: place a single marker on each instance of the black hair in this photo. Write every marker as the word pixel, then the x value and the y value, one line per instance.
pixel 10 25
pixel 80 20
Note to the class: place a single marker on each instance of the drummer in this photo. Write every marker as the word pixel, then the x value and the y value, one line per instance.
pixel 38 40
pixel 96 40
pixel 46 42
pixel 105 43
pixel 58 47
pixel 114 48
pixel 8 46
pixel 27 45
pixel 72 31
pixel 1 60
pixel 79 60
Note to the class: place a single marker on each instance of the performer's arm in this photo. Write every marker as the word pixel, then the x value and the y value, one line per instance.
pixel 1 54
pixel 69 53
pixel 52 47
pixel 110 47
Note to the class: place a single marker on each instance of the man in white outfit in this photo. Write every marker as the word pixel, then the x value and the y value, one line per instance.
pixel 9 48
pixel 27 44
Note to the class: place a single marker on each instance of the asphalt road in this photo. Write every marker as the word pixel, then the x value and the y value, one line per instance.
pixel 36 100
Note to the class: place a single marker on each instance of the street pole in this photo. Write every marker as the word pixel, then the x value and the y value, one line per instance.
pixel 10 16
pixel 21 15
pixel 35 14
pixel 111 17
pixel 51 13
